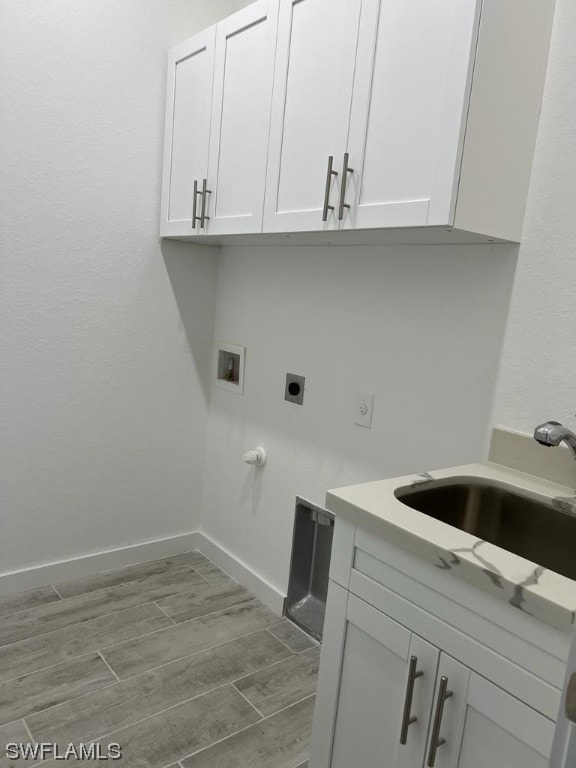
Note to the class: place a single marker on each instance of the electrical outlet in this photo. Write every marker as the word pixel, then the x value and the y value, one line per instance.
pixel 363 409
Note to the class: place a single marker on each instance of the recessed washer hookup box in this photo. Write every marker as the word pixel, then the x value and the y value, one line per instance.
pixel 310 567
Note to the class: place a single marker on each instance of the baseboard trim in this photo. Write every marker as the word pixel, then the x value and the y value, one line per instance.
pixel 253 581
pixel 96 562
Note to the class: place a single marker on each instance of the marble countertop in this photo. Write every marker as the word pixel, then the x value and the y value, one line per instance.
pixel 525 585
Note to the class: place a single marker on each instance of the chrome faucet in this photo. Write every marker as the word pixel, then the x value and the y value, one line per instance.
pixel 552 433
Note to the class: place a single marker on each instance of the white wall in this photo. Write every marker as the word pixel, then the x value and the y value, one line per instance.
pixel 103 397
pixel 421 327
pixel 538 375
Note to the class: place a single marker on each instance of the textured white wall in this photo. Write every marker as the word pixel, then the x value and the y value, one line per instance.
pixel 421 327
pixel 538 374
pixel 103 394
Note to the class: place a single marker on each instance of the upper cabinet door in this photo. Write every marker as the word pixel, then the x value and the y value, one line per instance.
pixel 243 76
pixel 310 112
pixel 187 130
pixel 408 114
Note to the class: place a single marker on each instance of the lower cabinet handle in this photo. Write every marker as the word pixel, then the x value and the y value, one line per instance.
pixel 329 173
pixel 437 740
pixel 570 705
pixel 408 719
pixel 345 171
pixel 205 191
pixel 197 192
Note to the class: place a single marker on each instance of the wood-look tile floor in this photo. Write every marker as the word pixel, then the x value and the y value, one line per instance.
pixel 171 659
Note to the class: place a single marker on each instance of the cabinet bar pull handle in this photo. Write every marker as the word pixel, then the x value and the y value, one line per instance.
pixel 570 705
pixel 197 192
pixel 329 174
pixel 345 171
pixel 437 740
pixel 408 719
pixel 205 191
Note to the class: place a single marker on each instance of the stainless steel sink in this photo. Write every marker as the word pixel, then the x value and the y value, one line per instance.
pixel 501 515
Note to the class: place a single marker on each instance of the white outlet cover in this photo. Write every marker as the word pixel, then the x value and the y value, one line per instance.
pixel 230 386
pixel 363 408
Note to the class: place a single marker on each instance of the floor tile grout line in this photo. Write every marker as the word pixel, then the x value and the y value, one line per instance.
pixel 197 618
pixel 165 614
pixel 189 655
pixel 95 618
pixel 81 655
pixel 28 731
pixel 11 613
pixel 105 648
pixel 159 666
pixel 217 610
pixel 148 717
pixel 113 570
pixel 241 730
pixel 109 667
pixel 57 592
pixel 269 666
pixel 184 701
pixel 45 669
pixel 202 694
pixel 188 621
pixel 118 680
pixel 73 697
pixel 247 700
pixel 131 565
pixel 102 649
pixel 63 599
pixel 315 643
pixel 168 569
pixel 280 641
pixel 199 576
pixel 68 626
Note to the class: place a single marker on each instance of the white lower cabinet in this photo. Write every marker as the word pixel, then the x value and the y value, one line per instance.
pixel 387 698
pixel 377 658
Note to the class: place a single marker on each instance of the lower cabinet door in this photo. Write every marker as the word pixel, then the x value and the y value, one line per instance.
pixel 381 709
pixel 476 724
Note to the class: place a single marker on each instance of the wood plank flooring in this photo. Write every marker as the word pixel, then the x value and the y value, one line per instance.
pixel 172 659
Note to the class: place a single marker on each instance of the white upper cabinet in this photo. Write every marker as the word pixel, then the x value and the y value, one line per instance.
pixel 187 130
pixel 410 97
pixel 414 119
pixel 243 74
pixel 310 112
